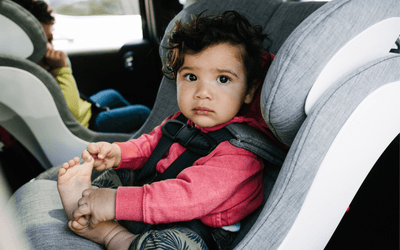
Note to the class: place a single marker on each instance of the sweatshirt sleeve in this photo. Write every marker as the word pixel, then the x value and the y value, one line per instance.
pixel 135 153
pixel 214 184
pixel 78 107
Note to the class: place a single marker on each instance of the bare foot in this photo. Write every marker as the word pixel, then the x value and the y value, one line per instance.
pixel 73 178
pixel 108 233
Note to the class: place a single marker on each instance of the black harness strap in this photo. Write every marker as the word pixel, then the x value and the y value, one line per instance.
pixel 197 144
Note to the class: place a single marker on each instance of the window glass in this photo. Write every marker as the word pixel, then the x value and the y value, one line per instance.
pixel 86 26
pixel 95 7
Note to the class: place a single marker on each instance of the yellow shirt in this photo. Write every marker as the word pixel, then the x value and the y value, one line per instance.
pixel 79 108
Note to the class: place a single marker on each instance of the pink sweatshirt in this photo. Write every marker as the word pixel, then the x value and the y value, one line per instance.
pixel 220 189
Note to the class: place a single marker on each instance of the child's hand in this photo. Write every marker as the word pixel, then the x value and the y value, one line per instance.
pixel 105 155
pixel 56 59
pixel 96 204
pixel 53 60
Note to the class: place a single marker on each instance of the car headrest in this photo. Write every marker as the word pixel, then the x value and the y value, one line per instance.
pixel 248 8
pixel 337 38
pixel 22 35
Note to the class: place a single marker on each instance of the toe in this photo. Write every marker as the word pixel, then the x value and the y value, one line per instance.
pixel 77 160
pixel 65 165
pixel 62 170
pixel 71 163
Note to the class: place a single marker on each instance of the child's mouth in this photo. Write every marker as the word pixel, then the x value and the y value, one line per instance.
pixel 202 111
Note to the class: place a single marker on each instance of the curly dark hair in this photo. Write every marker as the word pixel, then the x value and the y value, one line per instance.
pixel 205 31
pixel 39 9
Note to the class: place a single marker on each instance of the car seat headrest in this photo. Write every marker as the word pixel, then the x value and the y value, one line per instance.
pixel 252 9
pixel 22 35
pixel 337 38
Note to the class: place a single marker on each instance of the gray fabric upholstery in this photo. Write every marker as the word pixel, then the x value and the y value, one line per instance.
pixel 44 231
pixel 257 142
pixel 285 19
pixel 272 11
pixel 29 24
pixel 298 63
pixel 54 88
pixel 304 157
pixel 165 105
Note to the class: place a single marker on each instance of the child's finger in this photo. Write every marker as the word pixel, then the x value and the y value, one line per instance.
pixel 93 148
pixel 99 166
pixel 81 211
pixel 85 193
pixel 86 156
pixel 83 221
pixel 105 149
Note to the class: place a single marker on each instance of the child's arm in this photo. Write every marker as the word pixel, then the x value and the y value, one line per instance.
pixel 135 153
pixel 219 189
pixel 56 60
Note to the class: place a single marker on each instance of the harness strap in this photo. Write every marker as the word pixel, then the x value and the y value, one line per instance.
pixel 197 144
pixel 148 172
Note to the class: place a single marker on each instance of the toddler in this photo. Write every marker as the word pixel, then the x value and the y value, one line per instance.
pixel 216 63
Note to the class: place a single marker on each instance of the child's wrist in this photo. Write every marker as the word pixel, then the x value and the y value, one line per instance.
pixel 122 239
pixel 118 154
pixel 54 72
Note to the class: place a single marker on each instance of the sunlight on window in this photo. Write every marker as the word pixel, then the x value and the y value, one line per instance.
pixel 95 7
pixel 93 25
pixel 91 33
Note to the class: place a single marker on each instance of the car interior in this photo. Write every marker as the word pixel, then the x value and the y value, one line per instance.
pixel 331 95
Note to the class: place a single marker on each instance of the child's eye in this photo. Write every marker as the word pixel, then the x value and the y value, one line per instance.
pixel 191 77
pixel 223 79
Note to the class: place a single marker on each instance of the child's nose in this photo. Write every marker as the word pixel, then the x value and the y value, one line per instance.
pixel 203 91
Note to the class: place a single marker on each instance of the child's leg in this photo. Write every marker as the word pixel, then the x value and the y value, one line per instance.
pixel 114 236
pixel 109 98
pixel 73 178
pixel 178 238
pixel 123 120
pixel 108 233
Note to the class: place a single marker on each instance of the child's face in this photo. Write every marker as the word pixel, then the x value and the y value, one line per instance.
pixel 48 31
pixel 211 85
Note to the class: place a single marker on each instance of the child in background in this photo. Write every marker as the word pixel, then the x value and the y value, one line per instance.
pixel 217 65
pixel 107 110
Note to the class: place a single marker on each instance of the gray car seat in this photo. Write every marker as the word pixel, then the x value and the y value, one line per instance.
pixel 32 106
pixel 331 90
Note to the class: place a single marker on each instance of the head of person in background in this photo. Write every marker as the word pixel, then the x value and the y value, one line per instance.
pixel 53 60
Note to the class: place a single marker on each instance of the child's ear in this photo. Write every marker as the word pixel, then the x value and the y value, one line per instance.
pixel 250 93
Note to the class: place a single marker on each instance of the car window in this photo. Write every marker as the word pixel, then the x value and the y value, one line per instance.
pixel 95 7
pixel 84 26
